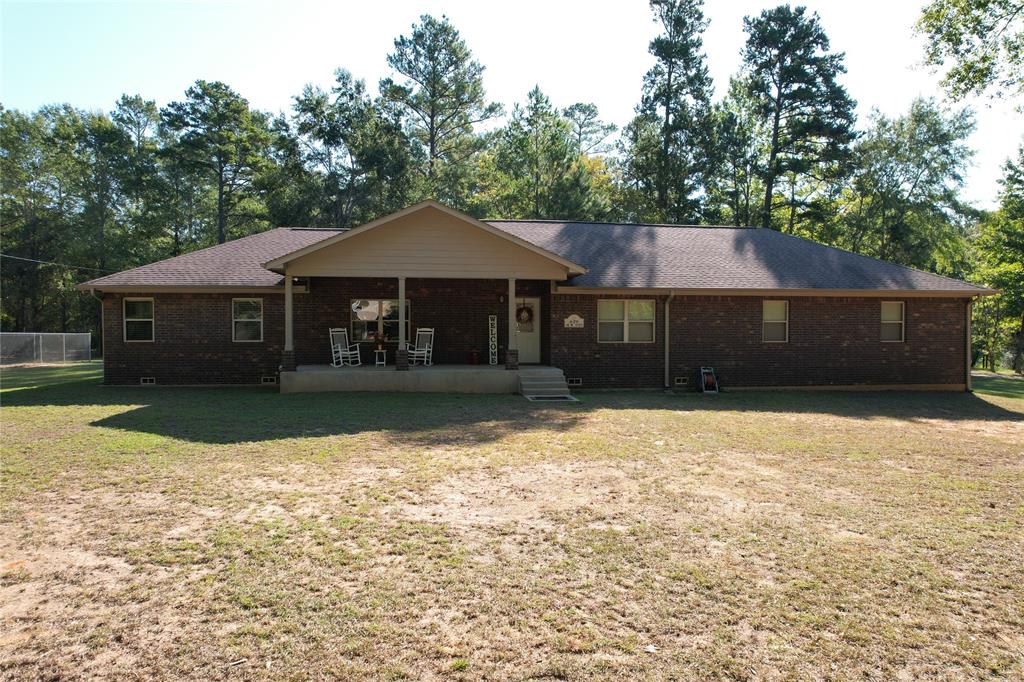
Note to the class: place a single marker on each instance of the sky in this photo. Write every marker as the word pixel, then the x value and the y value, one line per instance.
pixel 88 53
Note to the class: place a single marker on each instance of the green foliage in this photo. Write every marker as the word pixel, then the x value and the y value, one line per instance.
pixel 792 82
pixel 667 148
pixel 219 136
pixel 999 248
pixel 902 199
pixel 535 168
pixel 441 99
pixel 979 42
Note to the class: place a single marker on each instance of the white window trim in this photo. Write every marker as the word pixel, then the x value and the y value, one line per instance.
pixel 125 320
pixel 380 319
pixel 234 320
pixel 902 322
pixel 763 321
pixel 625 320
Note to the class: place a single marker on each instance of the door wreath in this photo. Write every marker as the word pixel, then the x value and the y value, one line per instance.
pixel 524 314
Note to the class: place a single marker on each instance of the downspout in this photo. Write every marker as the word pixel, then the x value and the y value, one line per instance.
pixel 967 345
pixel 668 308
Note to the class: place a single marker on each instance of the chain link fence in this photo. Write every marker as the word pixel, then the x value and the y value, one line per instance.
pixel 18 348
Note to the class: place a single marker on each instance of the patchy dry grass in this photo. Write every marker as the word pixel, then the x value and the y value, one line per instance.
pixel 215 534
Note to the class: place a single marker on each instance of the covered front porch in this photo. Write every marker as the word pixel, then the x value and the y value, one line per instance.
pixel 418 379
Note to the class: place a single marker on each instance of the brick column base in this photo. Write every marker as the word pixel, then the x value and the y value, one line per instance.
pixel 402 360
pixel 288 361
pixel 511 359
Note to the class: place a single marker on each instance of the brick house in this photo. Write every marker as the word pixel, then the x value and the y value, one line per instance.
pixel 610 305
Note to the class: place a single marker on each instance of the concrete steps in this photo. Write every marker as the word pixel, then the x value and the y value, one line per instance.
pixel 547 384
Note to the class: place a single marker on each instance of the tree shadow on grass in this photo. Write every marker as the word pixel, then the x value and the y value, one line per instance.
pixel 255 414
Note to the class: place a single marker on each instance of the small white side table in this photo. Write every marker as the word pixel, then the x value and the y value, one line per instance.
pixel 380 357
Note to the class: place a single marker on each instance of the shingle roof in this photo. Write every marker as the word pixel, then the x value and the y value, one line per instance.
pixel 695 257
pixel 616 255
pixel 237 263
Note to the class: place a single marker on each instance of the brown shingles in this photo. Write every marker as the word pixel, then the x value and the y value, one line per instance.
pixel 617 255
pixel 236 263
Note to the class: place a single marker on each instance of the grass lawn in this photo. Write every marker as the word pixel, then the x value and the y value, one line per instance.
pixel 238 533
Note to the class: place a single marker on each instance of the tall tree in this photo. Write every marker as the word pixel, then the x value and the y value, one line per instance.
pixel 740 137
pixel 219 134
pixel 588 130
pixel 442 98
pixel 1000 247
pixel 536 170
pixel 359 154
pixel 979 42
pixel 792 78
pixel 667 146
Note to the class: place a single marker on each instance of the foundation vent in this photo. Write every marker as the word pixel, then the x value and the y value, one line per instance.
pixel 574 381
pixel 268 380
pixel 147 381
pixel 681 381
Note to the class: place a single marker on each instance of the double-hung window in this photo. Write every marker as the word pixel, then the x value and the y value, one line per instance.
pixel 893 321
pixel 371 317
pixel 625 321
pixel 138 319
pixel 247 319
pixel 775 321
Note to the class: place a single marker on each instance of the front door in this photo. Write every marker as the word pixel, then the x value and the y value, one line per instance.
pixel 528 325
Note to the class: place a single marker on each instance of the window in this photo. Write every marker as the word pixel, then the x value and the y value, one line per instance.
pixel 625 321
pixel 892 321
pixel 247 319
pixel 370 317
pixel 138 319
pixel 775 321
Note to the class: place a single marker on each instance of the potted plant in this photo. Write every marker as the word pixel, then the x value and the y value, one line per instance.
pixel 474 357
pixel 378 340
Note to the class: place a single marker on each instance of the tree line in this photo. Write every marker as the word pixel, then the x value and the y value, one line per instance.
pixel 88 192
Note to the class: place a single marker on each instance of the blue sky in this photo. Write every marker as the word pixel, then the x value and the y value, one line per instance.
pixel 88 53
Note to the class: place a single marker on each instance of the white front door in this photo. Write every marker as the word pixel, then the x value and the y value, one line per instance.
pixel 528 325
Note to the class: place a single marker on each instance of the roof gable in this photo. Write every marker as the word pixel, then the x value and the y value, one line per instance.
pixel 427 239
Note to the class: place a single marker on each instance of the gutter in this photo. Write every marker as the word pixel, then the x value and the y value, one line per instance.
pixel 668 308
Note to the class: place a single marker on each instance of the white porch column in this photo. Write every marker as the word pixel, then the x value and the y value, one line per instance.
pixel 288 356
pixel 401 354
pixel 512 351
pixel 289 332
pixel 401 312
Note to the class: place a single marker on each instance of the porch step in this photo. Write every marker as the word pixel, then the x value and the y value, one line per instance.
pixel 544 385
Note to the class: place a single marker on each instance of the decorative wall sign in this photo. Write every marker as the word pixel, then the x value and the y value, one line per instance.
pixel 492 338
pixel 574 321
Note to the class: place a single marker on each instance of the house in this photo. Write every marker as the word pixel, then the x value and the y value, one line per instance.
pixel 610 305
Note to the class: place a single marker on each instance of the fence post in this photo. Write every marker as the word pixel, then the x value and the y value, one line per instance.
pixel 64 340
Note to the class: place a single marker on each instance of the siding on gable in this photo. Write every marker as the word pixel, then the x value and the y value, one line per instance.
pixel 428 243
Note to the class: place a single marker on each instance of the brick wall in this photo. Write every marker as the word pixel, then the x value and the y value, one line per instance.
pixel 832 341
pixel 193 331
pixel 192 342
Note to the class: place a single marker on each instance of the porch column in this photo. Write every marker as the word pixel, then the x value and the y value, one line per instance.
pixel 402 354
pixel 512 351
pixel 288 356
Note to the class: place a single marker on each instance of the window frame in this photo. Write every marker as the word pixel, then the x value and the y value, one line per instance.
pixel 235 320
pixel 764 321
pixel 626 321
pixel 380 319
pixel 125 320
pixel 902 322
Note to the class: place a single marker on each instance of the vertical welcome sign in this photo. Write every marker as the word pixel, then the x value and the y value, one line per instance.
pixel 492 338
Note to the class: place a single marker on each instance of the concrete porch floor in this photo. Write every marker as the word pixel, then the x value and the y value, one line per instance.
pixel 419 379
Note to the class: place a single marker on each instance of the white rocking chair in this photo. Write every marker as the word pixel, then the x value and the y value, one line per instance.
pixel 423 349
pixel 343 352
